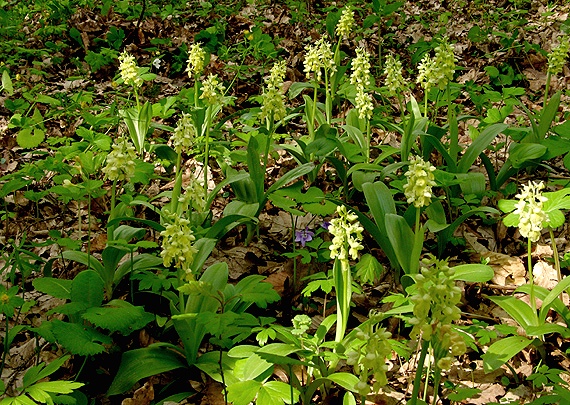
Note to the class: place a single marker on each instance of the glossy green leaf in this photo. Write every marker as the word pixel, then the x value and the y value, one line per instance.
pixel 88 288
pixel 518 310
pixel 484 139
pixel 473 273
pixel 502 351
pixel 142 363
pixel 58 288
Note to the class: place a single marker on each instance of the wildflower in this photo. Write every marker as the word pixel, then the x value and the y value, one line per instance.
pixel 177 245
pixel 319 56
pixel 212 90
pixel 303 236
pixel 444 62
pixel 9 300
pixel 276 75
pixel 435 309
pixel 129 70
pixel 196 57
pixel 364 105
pixel 420 181
pixel 120 163
pixel 369 358
pixel 439 70
pixel 273 104
pixel 347 235
pixel 394 80
pixel 530 210
pixel 558 56
pixel 184 133
pixel 361 68
pixel 194 196
pixel 346 23
pixel 156 63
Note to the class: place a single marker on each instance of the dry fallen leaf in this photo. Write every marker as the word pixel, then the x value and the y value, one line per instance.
pixel 143 396
pixel 545 275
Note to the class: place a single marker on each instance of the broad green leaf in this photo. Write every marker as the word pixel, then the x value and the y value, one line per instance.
pixel 252 289
pixel 84 258
pixel 56 387
pixel 142 363
pixel 519 154
pixel 348 399
pixel 401 238
pixel 518 310
pixel 473 273
pixel 7 83
pixel 88 288
pixel 507 205
pixel 291 176
pixel 255 366
pixel 560 287
pixel 548 114
pixel 380 200
pixel 547 329
pixel 29 138
pixel 347 381
pixel 479 145
pixel 502 351
pixel 243 392
pixel 55 287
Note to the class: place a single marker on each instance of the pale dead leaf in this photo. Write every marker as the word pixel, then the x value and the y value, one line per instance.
pixel 545 275
pixel 508 270
pixel 542 251
pixel 143 396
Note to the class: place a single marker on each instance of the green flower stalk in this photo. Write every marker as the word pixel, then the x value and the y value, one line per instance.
pixel 346 243
pixel 437 71
pixel 195 67
pixel 556 61
pixel 212 91
pixel 345 23
pixel 435 303
pixel 120 163
pixel 360 77
pixel 213 94
pixel 177 247
pixel 420 180
pixel 184 134
pixel 368 358
pixel 319 57
pixel 394 81
pixel 182 139
pixel 273 104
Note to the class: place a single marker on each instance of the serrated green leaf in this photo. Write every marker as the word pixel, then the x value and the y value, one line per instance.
pixel 254 290
pixel 243 392
pixel 55 287
pixel 119 316
pixel 79 339
pixel 368 269
pixel 276 393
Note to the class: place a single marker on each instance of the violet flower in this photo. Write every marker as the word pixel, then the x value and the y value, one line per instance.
pixel 304 236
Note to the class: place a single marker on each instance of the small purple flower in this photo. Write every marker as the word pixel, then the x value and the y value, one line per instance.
pixel 304 236
pixel 325 225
